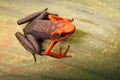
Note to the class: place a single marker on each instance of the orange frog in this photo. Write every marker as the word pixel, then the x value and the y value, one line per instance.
pixel 43 25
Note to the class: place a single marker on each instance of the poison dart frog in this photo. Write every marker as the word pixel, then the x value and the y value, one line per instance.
pixel 44 25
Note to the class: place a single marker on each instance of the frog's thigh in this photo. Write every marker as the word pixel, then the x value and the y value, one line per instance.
pixel 33 41
pixel 25 43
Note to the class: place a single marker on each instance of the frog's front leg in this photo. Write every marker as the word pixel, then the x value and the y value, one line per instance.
pixel 60 55
pixel 29 43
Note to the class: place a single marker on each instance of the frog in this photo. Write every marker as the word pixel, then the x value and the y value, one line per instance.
pixel 43 26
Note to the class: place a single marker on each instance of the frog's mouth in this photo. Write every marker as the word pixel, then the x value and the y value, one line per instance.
pixel 59 37
pixel 65 34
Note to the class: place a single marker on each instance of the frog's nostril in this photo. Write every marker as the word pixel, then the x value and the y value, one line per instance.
pixel 72 19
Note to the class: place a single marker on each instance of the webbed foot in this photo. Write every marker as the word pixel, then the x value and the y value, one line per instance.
pixel 56 55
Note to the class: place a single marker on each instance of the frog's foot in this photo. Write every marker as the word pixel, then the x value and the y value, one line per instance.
pixel 29 43
pixel 60 55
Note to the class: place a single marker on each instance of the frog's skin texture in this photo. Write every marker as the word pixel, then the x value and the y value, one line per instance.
pixel 43 25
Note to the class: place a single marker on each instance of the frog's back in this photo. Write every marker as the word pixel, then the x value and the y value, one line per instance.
pixel 41 28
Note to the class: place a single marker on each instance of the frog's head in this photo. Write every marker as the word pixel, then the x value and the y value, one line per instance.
pixel 63 32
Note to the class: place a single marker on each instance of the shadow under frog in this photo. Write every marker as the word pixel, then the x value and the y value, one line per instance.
pixel 44 25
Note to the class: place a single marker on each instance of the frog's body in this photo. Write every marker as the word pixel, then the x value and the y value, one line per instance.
pixel 42 26
pixel 41 29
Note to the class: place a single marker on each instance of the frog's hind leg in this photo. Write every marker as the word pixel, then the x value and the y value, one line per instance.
pixel 30 17
pixel 29 43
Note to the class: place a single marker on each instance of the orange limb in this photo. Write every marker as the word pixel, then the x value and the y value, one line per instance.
pixel 48 51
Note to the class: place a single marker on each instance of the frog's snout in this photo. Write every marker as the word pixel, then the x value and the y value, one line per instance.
pixel 72 19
